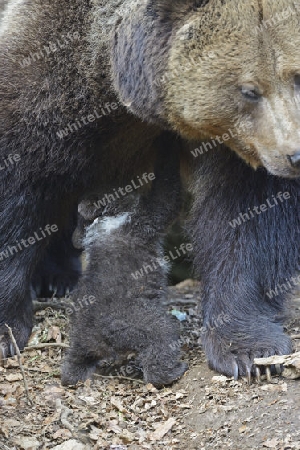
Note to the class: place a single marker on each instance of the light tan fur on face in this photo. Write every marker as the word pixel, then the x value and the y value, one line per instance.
pixel 220 49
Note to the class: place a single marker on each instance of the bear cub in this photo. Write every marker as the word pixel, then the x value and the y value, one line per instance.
pixel 125 311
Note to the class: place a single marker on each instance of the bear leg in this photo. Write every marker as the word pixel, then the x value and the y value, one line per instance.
pixel 22 246
pixel 17 316
pixel 245 245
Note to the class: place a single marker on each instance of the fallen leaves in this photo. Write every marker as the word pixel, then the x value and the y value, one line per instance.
pixel 27 443
pixel 162 429
pixel 71 444
pixel 116 414
pixel 273 443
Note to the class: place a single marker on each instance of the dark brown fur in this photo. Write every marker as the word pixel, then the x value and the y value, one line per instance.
pixel 151 59
pixel 126 311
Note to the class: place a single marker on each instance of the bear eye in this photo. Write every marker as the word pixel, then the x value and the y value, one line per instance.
pixel 297 80
pixel 250 93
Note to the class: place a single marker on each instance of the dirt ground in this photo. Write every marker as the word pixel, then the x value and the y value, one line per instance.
pixel 202 411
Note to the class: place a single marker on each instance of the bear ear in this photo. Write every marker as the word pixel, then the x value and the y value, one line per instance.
pixel 139 53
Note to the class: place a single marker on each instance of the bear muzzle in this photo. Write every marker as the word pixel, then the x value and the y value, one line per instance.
pixel 295 159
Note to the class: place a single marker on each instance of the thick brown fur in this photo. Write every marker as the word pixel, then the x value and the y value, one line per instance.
pixel 196 68
pixel 232 44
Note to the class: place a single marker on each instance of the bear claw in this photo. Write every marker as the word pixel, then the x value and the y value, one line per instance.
pixel 249 378
pixel 3 352
pixel 6 350
pixel 12 349
pixel 235 371
pixel 256 373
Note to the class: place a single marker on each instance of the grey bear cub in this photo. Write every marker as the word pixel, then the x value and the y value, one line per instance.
pixel 126 312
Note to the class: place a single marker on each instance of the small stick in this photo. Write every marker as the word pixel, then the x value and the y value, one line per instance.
pixel 46 345
pixel 295 336
pixel 20 364
pixel 119 377
pixel 64 413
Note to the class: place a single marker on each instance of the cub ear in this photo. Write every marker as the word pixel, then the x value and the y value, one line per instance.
pixel 140 49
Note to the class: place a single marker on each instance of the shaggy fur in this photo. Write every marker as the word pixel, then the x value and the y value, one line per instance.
pixel 198 68
pixel 241 265
pixel 126 314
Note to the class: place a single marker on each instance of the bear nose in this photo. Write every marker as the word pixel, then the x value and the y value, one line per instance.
pixel 295 159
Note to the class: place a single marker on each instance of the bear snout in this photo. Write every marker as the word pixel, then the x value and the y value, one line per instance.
pixel 294 159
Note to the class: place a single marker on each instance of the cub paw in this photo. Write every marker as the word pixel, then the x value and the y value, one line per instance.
pixel 162 376
pixel 159 368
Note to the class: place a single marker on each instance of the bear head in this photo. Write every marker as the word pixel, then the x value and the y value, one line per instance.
pixel 217 67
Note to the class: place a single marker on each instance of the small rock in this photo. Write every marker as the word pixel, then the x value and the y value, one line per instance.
pixel 27 443
pixel 181 316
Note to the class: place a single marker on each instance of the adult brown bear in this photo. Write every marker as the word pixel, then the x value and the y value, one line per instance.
pixel 91 89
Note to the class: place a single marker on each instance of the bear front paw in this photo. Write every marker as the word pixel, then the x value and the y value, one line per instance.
pixel 234 357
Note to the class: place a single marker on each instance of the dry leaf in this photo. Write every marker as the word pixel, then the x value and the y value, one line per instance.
pixel 162 429
pixel 271 444
pixel 117 403
pixel 220 379
pixel 274 387
pixel 62 433
pixel 54 334
pixel 27 443
pixel 127 437
pixel 72 444
pixel 6 388
pixel 114 427
pixel 14 377
pixel 89 400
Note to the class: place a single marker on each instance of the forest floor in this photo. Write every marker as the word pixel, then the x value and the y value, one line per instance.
pixel 201 411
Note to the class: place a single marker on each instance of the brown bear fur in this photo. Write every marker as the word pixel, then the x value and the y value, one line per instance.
pixel 153 60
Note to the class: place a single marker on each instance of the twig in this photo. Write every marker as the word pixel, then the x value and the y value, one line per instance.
pixel 120 377
pixel 65 412
pixel 20 363
pixel 295 336
pixel 46 345
pixel 32 369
